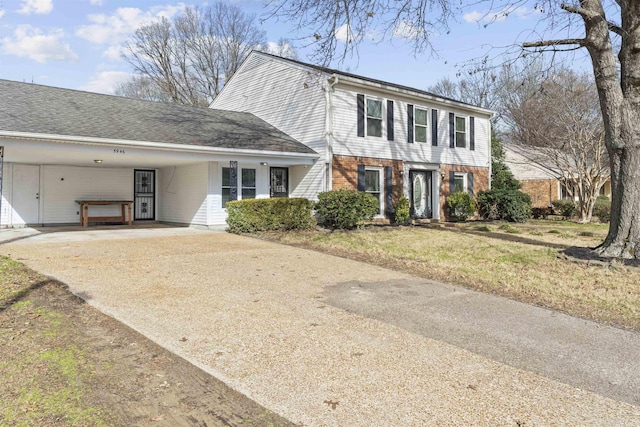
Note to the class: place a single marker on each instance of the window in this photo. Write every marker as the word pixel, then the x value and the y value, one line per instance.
pixel 461 132
pixel 420 125
pixel 226 186
pixel 459 182
pixel 374 117
pixel 372 185
pixel 248 183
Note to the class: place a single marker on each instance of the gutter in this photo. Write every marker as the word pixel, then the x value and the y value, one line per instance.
pixel 81 140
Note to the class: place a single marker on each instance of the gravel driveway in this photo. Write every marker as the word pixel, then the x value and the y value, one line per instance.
pixel 252 313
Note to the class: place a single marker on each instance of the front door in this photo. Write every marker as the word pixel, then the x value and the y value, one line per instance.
pixel 279 182
pixel 421 201
pixel 145 194
pixel 26 200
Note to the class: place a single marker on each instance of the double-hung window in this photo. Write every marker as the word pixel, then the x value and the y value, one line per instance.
pixel 461 132
pixel 374 117
pixel 459 182
pixel 420 124
pixel 372 185
pixel 248 183
pixel 226 186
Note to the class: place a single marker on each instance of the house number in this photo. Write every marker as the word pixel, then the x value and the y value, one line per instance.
pixel 118 150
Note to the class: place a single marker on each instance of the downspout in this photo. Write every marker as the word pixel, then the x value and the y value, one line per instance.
pixel 328 130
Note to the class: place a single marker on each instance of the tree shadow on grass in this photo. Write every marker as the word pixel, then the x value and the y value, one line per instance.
pixel 591 257
pixel 22 294
pixel 506 237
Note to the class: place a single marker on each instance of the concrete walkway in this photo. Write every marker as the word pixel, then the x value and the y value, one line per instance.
pixel 266 319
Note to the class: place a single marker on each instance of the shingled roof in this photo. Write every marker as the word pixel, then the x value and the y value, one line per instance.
pixel 38 109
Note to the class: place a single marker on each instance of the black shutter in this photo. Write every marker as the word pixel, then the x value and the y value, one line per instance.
pixel 452 130
pixel 470 183
pixel 388 191
pixel 452 182
pixel 360 114
pixel 410 123
pixel 360 177
pixel 434 128
pixel 472 133
pixel 389 120
pixel 233 178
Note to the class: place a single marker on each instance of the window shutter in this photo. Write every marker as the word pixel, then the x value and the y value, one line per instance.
pixel 233 178
pixel 452 130
pixel 360 177
pixel 360 114
pixel 388 191
pixel 389 120
pixel 410 123
pixel 470 183
pixel 472 133
pixel 434 128
pixel 452 182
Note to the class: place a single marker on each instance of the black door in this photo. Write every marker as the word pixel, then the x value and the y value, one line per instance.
pixel 144 192
pixel 279 182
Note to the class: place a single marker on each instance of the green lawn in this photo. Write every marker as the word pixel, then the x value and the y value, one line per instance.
pixel 518 261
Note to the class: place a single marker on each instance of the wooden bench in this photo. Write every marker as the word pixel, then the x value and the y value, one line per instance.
pixel 126 210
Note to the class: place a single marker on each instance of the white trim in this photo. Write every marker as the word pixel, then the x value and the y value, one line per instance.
pixel 69 139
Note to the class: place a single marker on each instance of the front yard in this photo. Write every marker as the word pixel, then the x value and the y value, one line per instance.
pixel 516 261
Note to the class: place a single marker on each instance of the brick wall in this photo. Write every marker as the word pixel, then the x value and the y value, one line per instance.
pixel 541 191
pixel 480 182
pixel 345 172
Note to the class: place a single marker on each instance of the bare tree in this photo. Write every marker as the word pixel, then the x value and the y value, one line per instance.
pixel 558 121
pixel 188 60
pixel 141 87
pixel 600 25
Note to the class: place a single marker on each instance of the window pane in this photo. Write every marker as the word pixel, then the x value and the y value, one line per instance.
pixel 420 117
pixel 374 127
pixel 248 177
pixel 461 139
pixel 248 193
pixel 374 108
pixel 226 177
pixel 226 195
pixel 372 181
pixel 421 134
pixel 458 183
pixel 461 124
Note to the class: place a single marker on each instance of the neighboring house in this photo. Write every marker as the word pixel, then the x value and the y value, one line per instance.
pixel 538 178
pixel 179 164
pixel 371 135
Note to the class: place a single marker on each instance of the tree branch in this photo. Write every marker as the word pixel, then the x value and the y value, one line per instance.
pixel 559 42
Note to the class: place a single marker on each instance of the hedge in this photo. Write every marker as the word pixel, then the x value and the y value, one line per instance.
pixel 345 209
pixel 253 215
pixel 508 205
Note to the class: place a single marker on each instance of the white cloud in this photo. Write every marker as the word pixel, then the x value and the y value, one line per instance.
pixel 106 82
pixel 407 31
pixel 114 53
pixel 344 34
pixel 96 2
pixel 32 43
pixel 118 26
pixel 489 16
pixel 42 7
pixel 1 13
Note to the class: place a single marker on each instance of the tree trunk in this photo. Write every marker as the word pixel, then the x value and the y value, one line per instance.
pixel 623 239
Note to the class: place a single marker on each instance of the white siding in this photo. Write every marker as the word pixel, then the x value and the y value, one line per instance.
pixel 524 169
pixel 182 194
pixel 348 143
pixel 63 185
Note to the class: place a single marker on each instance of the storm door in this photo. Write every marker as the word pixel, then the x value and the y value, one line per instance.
pixel 421 200
pixel 145 194
pixel 279 182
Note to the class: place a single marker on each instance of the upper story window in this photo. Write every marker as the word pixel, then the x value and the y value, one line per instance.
pixel 461 132
pixel 374 117
pixel 420 124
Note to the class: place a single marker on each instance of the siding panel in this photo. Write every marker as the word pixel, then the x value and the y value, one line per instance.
pixel 182 194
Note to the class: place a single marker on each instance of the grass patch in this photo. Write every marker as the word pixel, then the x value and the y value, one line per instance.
pixel 509 229
pixel 485 228
pixel 525 269
pixel 586 234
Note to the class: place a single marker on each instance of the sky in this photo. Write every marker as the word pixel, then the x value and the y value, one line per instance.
pixel 76 44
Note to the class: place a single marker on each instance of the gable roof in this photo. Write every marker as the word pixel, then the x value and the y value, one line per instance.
pixel 36 109
pixel 375 81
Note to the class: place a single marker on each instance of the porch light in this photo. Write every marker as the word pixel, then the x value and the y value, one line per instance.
pixel 97 161
pixel 263 163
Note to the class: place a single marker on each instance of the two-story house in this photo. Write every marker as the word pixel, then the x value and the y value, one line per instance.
pixel 374 136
